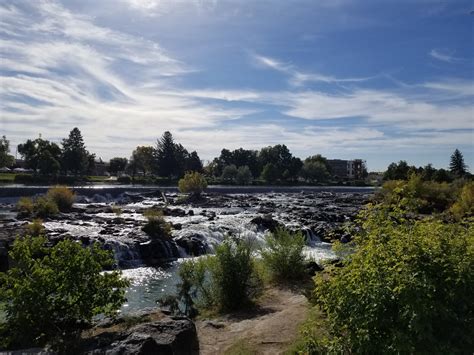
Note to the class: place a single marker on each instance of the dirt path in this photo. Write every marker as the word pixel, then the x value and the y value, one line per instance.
pixel 268 330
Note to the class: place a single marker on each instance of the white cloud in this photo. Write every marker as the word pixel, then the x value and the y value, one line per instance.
pixel 443 56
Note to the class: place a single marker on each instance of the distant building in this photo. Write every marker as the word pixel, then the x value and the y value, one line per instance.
pixel 348 169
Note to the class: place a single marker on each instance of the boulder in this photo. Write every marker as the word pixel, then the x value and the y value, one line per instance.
pixel 267 222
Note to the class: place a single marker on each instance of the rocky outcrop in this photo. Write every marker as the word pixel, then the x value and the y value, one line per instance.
pixel 169 335
pixel 267 222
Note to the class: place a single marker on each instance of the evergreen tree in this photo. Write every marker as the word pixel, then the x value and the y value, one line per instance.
pixel 457 165
pixel 75 157
pixel 166 162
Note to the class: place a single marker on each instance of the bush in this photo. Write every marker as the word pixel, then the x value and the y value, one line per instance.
pixel 44 207
pixel 35 228
pixel 193 183
pixel 283 256
pixel 25 206
pixel 50 293
pixel 156 226
pixel 224 282
pixel 62 196
pixel 464 205
pixel 406 288
pixel 24 179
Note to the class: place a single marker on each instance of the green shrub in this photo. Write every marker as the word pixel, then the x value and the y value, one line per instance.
pixel 283 255
pixel 51 293
pixel 464 205
pixel 225 282
pixel 193 183
pixel 45 207
pixel 406 288
pixel 35 228
pixel 62 196
pixel 156 226
pixel 117 210
pixel 25 206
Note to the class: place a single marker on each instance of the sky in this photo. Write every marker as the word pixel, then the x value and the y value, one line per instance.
pixel 379 80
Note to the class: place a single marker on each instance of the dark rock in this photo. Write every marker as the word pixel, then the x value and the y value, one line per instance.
pixel 193 244
pixel 267 222
pixel 158 252
pixel 312 268
pixel 170 335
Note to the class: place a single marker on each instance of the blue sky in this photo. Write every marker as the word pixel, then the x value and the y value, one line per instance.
pixel 379 80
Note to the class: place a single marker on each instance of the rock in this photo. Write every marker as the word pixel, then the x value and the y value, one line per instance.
pixel 169 335
pixel 158 252
pixel 193 244
pixel 312 268
pixel 267 222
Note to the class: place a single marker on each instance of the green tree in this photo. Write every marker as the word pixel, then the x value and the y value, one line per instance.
pixel 75 157
pixel 142 159
pixel 286 166
pixel 398 171
pixel 457 166
pixel 51 292
pixel 229 173
pixel 6 159
pixel 166 162
pixel 41 155
pixel 270 173
pixel 315 170
pixel 244 175
pixel 117 165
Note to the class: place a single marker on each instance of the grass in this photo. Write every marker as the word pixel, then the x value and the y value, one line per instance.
pixel 7 177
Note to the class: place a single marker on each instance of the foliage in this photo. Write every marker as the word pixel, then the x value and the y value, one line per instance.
pixel 51 292
pixel 286 167
pixel 193 183
pixel 117 164
pixel 156 226
pixel 41 155
pixel 25 206
pixel 224 282
pixel 239 157
pixel 62 196
pixel 142 160
pixel 172 159
pixel 397 171
pixel 418 196
pixel 457 165
pixel 44 207
pixel 6 159
pixel 229 173
pixel 405 284
pixel 315 171
pixel 35 228
pixel 270 173
pixel 244 175
pixel 75 158
pixel 464 205
pixel 283 255
pixel 126 180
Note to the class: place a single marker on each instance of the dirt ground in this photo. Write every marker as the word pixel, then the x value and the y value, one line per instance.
pixel 270 329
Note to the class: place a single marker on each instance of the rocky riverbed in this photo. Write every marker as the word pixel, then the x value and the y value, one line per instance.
pixel 116 222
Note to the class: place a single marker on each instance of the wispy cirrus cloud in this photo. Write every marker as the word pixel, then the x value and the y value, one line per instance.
pixel 297 77
pixel 444 56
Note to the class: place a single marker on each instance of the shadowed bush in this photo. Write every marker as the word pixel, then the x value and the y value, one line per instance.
pixel 156 226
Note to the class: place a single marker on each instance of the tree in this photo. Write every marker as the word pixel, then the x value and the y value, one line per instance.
pixel 315 170
pixel 193 162
pixel 55 291
pixel 398 171
pixel 229 173
pixel 41 155
pixel 142 159
pixel 244 175
pixel 270 173
pixel 166 163
pixel 457 165
pixel 75 157
pixel 286 166
pixel 117 165
pixel 6 159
